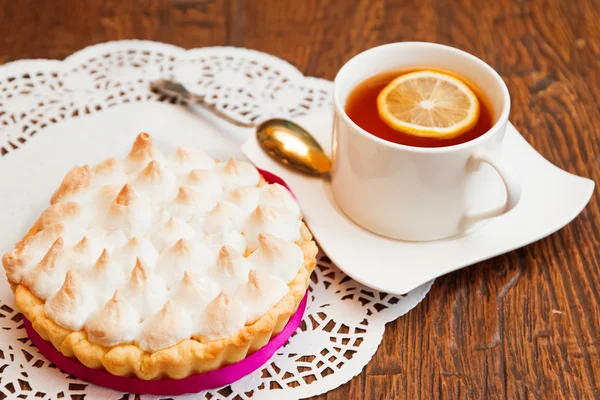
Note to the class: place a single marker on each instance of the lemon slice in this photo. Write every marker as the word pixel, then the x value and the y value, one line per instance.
pixel 428 104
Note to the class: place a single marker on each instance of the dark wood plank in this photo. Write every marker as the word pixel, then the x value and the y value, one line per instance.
pixel 49 29
pixel 525 325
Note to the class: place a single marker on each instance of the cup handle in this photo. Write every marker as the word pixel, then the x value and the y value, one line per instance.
pixel 511 181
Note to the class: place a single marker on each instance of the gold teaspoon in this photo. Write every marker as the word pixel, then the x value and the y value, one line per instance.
pixel 282 139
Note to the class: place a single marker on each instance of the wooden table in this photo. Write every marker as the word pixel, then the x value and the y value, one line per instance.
pixel 525 325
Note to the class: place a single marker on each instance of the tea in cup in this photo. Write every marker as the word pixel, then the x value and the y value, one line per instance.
pixel 413 122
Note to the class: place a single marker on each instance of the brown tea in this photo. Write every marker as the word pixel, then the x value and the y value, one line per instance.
pixel 361 107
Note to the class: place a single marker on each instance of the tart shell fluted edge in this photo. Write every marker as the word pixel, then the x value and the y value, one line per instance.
pixel 188 357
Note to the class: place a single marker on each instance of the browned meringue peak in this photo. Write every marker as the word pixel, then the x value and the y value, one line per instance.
pixel 103 197
pixel 236 173
pixel 277 257
pixel 142 147
pixel 146 291
pixel 127 212
pixel 82 255
pixel 177 259
pixel 117 322
pixel 76 218
pixel 139 274
pixel 71 306
pixel 189 158
pixel 245 197
pixel 107 167
pixel 275 221
pixel 126 196
pixel 194 291
pixel 59 212
pixel 103 261
pixel 231 269
pixel 84 246
pixel 165 235
pixel 223 218
pixel 109 170
pixel 205 180
pixel 169 326
pixel 222 317
pixel 142 152
pixel 185 195
pixel 105 277
pixel 260 294
pixel 178 256
pixel 153 172
pixel 137 247
pixel 49 274
pixel 155 181
pixel 76 181
pixel 30 251
pixel 190 203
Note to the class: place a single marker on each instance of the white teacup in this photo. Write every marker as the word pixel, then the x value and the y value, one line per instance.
pixel 414 193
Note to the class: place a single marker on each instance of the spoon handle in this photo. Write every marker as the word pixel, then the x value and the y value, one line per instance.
pixel 199 101
pixel 174 89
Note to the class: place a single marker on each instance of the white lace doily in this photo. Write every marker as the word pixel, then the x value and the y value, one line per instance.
pixel 344 321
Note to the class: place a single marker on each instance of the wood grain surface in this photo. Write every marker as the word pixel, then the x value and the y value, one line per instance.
pixel 525 325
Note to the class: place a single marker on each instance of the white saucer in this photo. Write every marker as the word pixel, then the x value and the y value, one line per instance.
pixel 551 199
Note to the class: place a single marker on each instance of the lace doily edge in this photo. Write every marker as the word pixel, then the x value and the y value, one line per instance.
pixel 46 65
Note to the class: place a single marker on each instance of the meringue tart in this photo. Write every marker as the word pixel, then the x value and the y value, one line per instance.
pixel 162 267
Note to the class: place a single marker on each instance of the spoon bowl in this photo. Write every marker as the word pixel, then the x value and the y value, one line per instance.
pixel 291 145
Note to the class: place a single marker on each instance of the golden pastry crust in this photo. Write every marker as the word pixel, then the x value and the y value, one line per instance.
pixel 188 357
